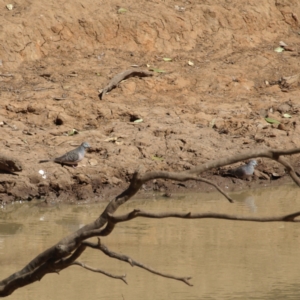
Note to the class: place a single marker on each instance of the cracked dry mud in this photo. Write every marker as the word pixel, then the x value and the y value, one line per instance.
pixel 56 57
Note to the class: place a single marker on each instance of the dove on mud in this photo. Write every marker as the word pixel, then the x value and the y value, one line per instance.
pixel 72 157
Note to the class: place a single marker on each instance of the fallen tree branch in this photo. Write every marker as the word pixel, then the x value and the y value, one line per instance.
pixel 269 153
pixel 138 213
pixel 133 263
pixel 64 253
pixel 50 266
pixel 122 76
pixel 121 277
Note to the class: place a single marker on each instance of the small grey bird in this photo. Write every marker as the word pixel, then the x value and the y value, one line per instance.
pixel 72 157
pixel 244 171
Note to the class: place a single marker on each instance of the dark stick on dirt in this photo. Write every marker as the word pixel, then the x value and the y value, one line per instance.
pixel 122 76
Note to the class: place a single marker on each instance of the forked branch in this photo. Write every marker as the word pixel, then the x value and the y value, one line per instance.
pixel 133 263
pixel 85 266
pixel 66 251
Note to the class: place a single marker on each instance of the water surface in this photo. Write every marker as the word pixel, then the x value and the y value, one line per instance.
pixel 227 259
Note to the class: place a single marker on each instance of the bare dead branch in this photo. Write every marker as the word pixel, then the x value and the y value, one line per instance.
pixel 138 213
pixel 216 187
pixel 39 272
pixel 133 263
pixel 64 253
pixel 184 176
pixel 121 277
pixel 122 76
pixel 289 169
pixel 269 153
pixel 67 261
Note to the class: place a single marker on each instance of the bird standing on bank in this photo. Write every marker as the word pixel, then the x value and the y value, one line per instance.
pixel 244 171
pixel 72 157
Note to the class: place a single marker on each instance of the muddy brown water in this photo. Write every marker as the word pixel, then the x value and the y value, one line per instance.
pixel 226 259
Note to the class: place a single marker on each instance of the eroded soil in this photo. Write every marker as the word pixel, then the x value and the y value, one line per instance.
pixel 211 101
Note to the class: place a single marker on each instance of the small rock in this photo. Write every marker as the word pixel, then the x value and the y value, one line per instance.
pixel 284 108
pixel 282 44
pixel 115 180
pixel 30 108
pixel 9 164
pixel 82 179
pixel 282 127
pixel 263 113
pixel 93 162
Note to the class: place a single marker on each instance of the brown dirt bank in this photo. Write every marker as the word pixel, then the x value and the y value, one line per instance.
pixel 61 55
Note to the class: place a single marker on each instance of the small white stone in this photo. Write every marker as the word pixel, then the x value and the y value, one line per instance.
pixel 9 6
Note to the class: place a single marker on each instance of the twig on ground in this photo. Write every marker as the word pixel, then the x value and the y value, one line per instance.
pixel 122 76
